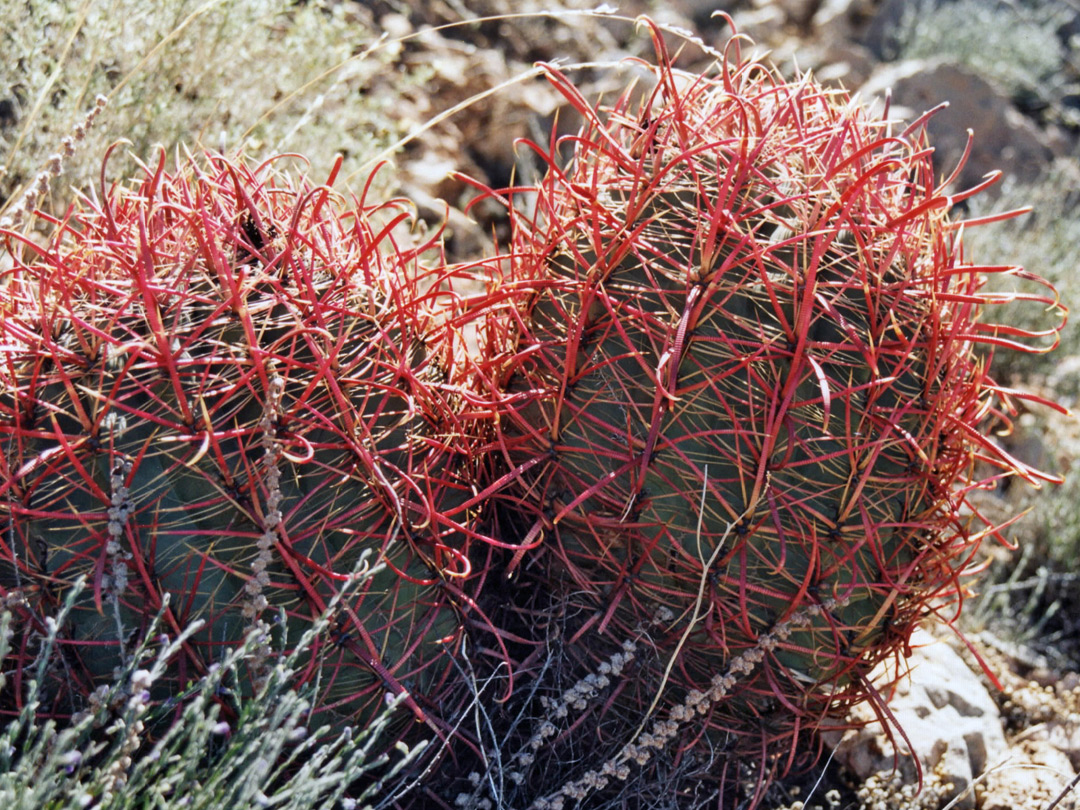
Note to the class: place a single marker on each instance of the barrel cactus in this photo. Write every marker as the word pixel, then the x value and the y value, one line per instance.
pixel 751 386
pixel 218 383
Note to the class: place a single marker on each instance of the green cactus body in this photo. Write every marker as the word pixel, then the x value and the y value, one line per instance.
pixel 216 386
pixel 747 383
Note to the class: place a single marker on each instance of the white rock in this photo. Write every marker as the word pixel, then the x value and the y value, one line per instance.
pixel 1034 776
pixel 948 716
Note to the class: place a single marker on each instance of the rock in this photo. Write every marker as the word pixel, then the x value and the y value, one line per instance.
pixel 799 12
pixel 1050 714
pixel 699 12
pixel 1064 735
pixel 1035 774
pixel 841 20
pixel 1004 138
pixel 950 719
pixel 762 25
pixel 395 26
pixel 462 126
pixel 835 63
pixel 846 63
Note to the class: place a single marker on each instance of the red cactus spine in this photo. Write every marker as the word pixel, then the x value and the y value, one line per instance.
pixel 217 384
pixel 748 385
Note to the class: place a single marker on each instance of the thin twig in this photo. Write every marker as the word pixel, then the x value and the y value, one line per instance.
pixel 1065 792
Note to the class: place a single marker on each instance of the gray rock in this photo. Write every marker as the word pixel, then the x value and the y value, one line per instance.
pixel 948 716
pixel 762 25
pixel 799 12
pixel 833 63
pixel 841 20
pixel 1004 138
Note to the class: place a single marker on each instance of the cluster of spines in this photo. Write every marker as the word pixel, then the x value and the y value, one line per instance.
pixel 225 335
pixel 440 535
pixel 795 243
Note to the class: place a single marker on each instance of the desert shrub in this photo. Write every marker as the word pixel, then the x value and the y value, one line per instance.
pixel 1014 45
pixel 1043 242
pixel 128 751
pixel 1025 597
pixel 1026 591
pixel 265 75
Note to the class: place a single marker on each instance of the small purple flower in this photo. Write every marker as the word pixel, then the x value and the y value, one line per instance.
pixel 71 761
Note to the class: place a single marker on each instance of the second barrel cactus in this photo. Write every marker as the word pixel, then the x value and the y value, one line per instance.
pixel 749 383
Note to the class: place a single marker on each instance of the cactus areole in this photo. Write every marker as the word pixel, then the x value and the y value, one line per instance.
pixel 216 385
pixel 748 381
